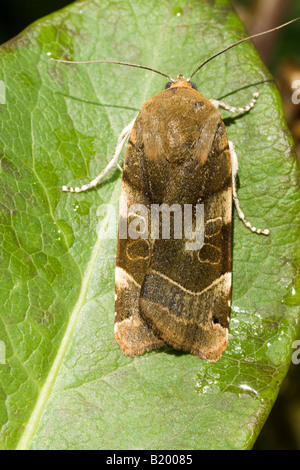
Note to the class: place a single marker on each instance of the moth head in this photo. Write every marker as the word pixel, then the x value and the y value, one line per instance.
pixel 181 82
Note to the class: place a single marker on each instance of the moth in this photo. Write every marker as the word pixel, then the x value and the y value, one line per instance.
pixel 175 290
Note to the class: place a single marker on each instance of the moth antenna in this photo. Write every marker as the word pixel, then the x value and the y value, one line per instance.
pixel 240 42
pixel 112 62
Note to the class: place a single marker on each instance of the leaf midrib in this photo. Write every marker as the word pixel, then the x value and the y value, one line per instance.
pixel 45 392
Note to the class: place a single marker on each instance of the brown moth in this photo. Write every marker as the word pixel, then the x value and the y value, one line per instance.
pixel 171 290
pixel 178 153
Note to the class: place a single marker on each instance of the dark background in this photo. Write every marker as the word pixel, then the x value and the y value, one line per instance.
pixel 281 53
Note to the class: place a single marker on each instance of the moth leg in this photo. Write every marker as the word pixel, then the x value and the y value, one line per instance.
pixel 114 161
pixel 234 164
pixel 232 109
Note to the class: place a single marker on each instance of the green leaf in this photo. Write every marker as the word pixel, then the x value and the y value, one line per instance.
pixel 64 381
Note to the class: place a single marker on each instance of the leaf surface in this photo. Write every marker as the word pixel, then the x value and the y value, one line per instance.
pixel 64 383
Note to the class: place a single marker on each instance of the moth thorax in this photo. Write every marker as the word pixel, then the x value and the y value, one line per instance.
pixel 181 82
